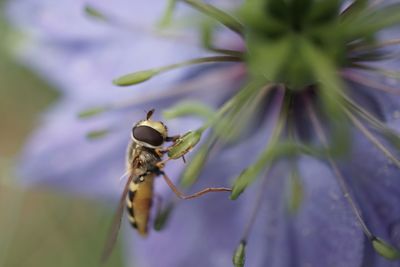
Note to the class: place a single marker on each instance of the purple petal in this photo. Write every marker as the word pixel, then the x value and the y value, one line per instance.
pixel 376 183
pixel 326 230
pixel 82 56
pixel 275 239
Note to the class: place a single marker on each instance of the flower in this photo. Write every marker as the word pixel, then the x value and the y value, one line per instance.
pixel 301 118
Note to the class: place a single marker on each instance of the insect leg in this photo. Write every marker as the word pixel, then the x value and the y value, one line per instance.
pixel 164 150
pixel 161 164
pixel 195 195
pixel 172 138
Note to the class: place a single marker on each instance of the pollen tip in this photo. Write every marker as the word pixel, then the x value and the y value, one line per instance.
pixel 385 250
pixel 184 144
pixel 134 78
pixel 91 112
pixel 239 256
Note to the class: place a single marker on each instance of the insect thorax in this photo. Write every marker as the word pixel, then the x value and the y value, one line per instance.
pixel 140 159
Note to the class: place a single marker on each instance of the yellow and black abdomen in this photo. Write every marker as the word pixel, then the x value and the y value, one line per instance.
pixel 139 201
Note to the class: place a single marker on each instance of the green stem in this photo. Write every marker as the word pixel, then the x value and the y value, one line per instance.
pixel 339 177
pixel 229 52
pixel 373 139
pixel 145 75
pixel 239 98
pixel 223 17
pixel 195 61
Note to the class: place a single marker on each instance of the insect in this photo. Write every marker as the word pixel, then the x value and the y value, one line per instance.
pixel 143 164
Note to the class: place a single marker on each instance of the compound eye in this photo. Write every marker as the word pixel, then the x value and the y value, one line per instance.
pixel 148 135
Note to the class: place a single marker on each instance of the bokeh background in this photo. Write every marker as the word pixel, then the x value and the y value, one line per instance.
pixel 38 227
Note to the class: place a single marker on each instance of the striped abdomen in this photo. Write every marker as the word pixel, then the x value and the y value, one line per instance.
pixel 139 201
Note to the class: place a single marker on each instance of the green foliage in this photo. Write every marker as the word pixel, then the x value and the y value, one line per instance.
pixel 18 101
pixel 40 229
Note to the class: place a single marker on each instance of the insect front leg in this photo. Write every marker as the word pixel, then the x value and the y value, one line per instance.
pixel 173 138
pixel 181 195
pixel 161 164
pixel 161 151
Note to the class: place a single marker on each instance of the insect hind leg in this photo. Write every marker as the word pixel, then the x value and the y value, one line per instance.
pixel 181 195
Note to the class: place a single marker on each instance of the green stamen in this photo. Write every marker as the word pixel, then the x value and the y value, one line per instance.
pixel 271 152
pixel 162 217
pixel 360 79
pixel 373 139
pixel 142 76
pixel 189 108
pixel 239 256
pixel 385 250
pixel 388 133
pixel 88 113
pixel 195 166
pixel 136 77
pixel 207 41
pixel 169 11
pixel 97 134
pixel 184 144
pixel 296 191
pixel 95 13
pixel 221 16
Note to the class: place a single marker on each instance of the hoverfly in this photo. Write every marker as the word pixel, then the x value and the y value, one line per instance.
pixel 143 164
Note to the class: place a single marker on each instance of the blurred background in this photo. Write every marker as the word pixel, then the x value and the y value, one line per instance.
pixel 37 227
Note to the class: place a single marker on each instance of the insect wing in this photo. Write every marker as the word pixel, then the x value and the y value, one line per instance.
pixel 116 224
